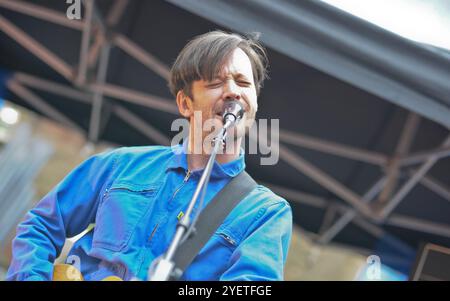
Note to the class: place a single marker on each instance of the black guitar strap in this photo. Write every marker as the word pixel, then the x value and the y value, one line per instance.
pixel 211 218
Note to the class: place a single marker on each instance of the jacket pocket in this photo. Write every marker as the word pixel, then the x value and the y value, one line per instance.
pixel 226 238
pixel 122 208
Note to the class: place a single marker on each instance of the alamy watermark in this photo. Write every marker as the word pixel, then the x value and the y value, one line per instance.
pixel 263 137
pixel 74 10
pixel 373 270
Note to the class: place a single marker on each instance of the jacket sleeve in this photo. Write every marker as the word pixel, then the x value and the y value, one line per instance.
pixel 64 212
pixel 262 254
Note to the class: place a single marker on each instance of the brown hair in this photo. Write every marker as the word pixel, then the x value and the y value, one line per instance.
pixel 204 56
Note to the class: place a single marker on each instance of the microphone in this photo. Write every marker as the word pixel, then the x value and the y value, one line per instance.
pixel 232 112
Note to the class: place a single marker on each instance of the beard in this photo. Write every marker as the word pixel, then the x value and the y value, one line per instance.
pixel 211 122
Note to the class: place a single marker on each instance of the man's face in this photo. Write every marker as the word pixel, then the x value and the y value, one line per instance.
pixel 234 82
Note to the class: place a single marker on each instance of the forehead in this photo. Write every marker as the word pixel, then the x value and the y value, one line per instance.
pixel 237 64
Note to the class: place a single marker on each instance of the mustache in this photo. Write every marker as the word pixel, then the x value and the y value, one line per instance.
pixel 219 108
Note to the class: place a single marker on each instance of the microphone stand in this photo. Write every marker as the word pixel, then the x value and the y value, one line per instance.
pixel 164 267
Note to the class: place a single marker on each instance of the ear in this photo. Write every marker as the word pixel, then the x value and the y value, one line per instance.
pixel 184 104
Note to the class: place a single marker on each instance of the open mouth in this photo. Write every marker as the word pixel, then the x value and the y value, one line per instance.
pixel 219 114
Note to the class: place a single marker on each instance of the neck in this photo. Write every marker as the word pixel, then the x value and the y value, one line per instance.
pixel 199 160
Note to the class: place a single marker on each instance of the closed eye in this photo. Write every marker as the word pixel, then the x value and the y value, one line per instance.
pixel 218 83
pixel 214 85
pixel 244 83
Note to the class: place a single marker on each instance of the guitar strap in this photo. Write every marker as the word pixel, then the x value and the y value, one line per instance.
pixel 211 218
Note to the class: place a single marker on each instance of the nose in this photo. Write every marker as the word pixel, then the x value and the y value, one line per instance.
pixel 231 90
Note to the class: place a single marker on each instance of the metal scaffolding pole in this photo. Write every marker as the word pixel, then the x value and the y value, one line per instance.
pixel 420 225
pixel 142 126
pixel 409 185
pixel 325 180
pixel 320 177
pixel 52 87
pixel 112 19
pixel 140 98
pixel 36 48
pixel 38 11
pixel 435 186
pixel 403 146
pixel 58 89
pixel 94 51
pixel 114 91
pixel 145 58
pixel 421 156
pixel 85 39
pixel 396 220
pixel 298 196
pixel 349 215
pixel 41 105
pixel 116 12
pixel 333 148
pixel 102 72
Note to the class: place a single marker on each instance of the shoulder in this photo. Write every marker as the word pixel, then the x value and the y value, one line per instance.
pixel 273 212
pixel 131 158
pixel 265 198
pixel 138 151
pixel 260 207
pixel 128 154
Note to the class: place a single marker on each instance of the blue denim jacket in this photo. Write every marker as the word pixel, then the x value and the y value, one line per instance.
pixel 134 195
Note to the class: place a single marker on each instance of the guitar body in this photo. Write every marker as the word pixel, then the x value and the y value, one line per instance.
pixel 67 272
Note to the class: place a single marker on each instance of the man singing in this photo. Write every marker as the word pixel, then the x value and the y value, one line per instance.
pixel 136 195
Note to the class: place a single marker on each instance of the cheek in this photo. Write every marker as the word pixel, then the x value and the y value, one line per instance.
pixel 253 100
pixel 205 100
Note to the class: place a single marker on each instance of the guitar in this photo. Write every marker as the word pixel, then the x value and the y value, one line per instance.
pixel 67 272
